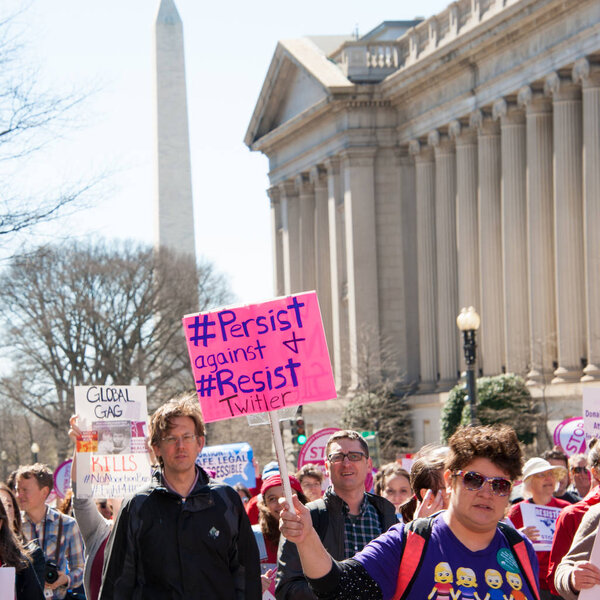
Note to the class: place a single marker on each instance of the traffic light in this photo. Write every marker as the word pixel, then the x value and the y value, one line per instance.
pixel 298 429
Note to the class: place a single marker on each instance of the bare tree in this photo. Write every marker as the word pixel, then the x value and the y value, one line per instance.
pixel 30 118
pixel 379 402
pixel 81 315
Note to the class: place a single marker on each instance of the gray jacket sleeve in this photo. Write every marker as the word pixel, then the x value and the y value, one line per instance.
pixel 580 550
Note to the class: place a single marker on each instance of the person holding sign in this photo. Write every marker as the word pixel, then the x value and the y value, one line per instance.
pixel 183 536
pixel 463 552
pixel 14 556
pixel 539 482
pixel 346 518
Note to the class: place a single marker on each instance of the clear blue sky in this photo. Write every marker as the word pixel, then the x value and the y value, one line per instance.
pixel 107 46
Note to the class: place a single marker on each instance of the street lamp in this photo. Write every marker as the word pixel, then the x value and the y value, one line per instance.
pixel 468 322
pixel 3 458
pixel 34 450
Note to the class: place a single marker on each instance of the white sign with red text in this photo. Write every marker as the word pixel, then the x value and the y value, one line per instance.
pixel 112 458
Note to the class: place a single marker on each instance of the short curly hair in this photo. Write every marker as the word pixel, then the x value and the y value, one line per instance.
pixel 498 443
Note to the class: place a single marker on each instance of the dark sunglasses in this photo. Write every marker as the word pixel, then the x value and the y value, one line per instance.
pixel 338 457
pixel 474 481
pixel 579 470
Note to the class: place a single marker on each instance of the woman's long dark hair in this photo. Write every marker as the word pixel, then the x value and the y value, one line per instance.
pixel 12 553
pixel 17 525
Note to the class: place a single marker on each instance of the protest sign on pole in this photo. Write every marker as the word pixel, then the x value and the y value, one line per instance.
pixel 230 463
pixel 544 518
pixel 112 459
pixel 260 358
pixel 591 412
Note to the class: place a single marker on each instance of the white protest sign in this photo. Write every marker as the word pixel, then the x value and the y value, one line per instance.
pixel 112 459
pixel 230 463
pixel 544 518
pixel 593 593
pixel 591 412
pixel 7 583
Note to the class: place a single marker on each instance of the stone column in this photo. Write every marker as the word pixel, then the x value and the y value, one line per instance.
pixel 290 222
pixel 306 198
pixel 589 76
pixel 426 259
pixel 514 235
pixel 446 259
pixel 276 241
pixel 467 228
pixel 540 225
pixel 491 334
pixel 568 213
pixel 339 288
pixel 361 257
pixel 318 178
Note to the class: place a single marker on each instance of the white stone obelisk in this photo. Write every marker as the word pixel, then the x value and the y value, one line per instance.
pixel 174 210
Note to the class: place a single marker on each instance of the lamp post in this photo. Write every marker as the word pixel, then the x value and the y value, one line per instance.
pixel 4 459
pixel 34 450
pixel 468 322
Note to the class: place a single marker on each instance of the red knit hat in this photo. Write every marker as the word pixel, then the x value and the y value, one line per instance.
pixel 274 480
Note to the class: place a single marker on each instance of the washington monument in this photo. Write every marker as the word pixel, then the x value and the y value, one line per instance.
pixel 174 210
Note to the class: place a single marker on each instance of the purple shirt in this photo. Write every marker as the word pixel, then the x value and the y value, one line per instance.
pixel 448 564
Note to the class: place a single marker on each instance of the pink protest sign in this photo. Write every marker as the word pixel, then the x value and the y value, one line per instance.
pixel 259 357
pixel 62 478
pixel 570 436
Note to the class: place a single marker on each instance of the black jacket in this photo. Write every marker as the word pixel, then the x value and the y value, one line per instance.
pixel 27 585
pixel 164 548
pixel 328 521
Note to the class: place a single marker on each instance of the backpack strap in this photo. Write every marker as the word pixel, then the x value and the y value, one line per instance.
pixel 58 540
pixel 416 536
pixel 519 550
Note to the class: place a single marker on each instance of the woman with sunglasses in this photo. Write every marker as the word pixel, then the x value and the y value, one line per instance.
pixel 13 554
pixel 540 479
pixel 466 554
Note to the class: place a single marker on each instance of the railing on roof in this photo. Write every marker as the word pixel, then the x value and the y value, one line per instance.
pixel 373 61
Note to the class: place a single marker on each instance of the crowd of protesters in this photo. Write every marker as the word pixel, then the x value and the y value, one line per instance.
pixel 451 527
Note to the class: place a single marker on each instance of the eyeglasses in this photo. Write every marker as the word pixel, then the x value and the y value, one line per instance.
pixel 579 470
pixel 338 457
pixel 474 481
pixel 186 438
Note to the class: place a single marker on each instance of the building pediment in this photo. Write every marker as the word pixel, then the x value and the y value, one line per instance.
pixel 299 78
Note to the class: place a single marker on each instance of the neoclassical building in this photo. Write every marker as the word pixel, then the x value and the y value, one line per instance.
pixel 438 164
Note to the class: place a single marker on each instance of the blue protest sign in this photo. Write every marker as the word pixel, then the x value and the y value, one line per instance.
pixel 229 463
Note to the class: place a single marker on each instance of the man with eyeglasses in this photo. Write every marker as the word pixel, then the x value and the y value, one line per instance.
pixel 580 474
pixel 346 518
pixel 466 552
pixel 184 536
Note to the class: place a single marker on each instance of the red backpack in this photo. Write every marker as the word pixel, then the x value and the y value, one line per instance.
pixel 416 537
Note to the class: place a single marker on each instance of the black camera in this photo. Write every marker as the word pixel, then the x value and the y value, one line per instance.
pixel 50 572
